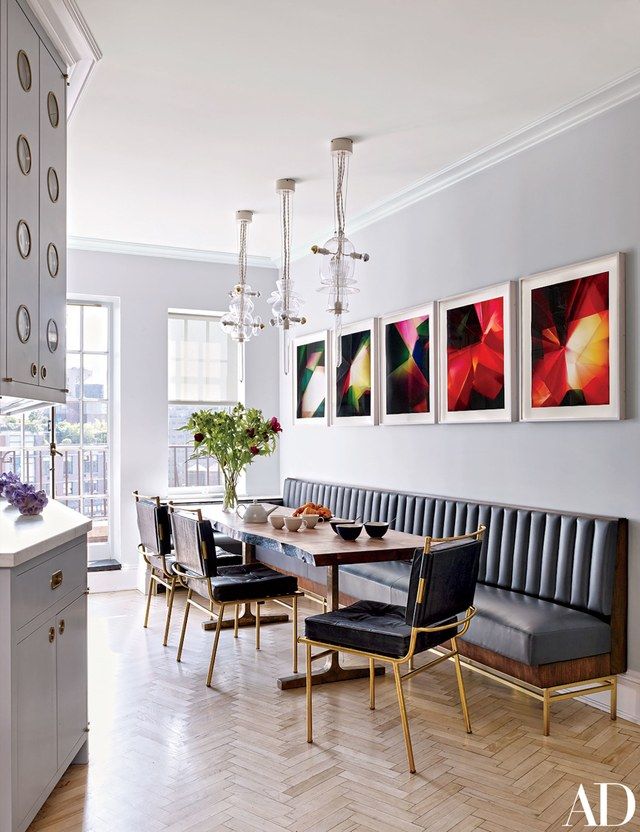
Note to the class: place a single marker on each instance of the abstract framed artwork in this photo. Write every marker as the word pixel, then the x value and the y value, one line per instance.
pixel 355 387
pixel 476 345
pixel 311 392
pixel 407 366
pixel 572 351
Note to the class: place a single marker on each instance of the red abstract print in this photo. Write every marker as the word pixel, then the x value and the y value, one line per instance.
pixel 570 343
pixel 475 356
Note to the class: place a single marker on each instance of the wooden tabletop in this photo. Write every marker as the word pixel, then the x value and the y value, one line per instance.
pixel 320 546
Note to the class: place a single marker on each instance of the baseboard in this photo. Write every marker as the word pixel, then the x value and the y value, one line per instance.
pixel 112 581
pixel 628 697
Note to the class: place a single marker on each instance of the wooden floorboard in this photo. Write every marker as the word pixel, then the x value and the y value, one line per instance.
pixel 169 755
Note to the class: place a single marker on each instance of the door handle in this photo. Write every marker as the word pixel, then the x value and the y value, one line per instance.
pixel 56 579
pixel 61 626
pixel 52 634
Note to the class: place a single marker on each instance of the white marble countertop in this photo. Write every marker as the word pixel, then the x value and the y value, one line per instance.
pixel 23 538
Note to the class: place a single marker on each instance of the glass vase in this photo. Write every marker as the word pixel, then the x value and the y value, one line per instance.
pixel 230 499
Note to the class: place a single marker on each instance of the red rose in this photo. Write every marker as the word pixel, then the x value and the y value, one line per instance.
pixel 254 450
pixel 198 437
pixel 275 425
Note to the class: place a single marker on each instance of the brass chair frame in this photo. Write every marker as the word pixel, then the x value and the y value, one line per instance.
pixel 218 608
pixel 462 626
pixel 163 577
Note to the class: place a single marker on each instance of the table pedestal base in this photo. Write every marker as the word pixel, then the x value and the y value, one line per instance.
pixel 333 671
pixel 247 619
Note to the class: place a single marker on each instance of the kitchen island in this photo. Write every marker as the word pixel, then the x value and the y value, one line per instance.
pixel 43 656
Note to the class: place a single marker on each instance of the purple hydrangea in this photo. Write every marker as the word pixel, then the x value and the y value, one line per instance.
pixel 6 479
pixel 28 501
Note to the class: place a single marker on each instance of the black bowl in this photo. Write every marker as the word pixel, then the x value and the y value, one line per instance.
pixel 374 529
pixel 335 521
pixel 349 531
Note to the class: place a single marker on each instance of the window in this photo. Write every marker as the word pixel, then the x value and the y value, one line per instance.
pixel 82 432
pixel 203 373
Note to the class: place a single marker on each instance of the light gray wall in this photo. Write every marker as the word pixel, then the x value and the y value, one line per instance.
pixel 571 198
pixel 146 288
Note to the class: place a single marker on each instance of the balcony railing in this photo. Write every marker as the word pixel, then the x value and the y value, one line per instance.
pixel 184 472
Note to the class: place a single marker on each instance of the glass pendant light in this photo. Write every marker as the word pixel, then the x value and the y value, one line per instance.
pixel 338 254
pixel 239 322
pixel 286 304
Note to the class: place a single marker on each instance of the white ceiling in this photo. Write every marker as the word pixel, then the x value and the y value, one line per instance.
pixel 199 105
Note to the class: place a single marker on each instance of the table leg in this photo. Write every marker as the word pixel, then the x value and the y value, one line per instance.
pixel 333 671
pixel 246 617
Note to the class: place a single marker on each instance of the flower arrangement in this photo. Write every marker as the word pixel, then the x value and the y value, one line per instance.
pixel 21 495
pixel 235 439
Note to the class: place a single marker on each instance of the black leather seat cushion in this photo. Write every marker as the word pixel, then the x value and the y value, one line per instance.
pixel 533 631
pixel 386 582
pixel 371 627
pixel 224 558
pixel 228 544
pixel 254 580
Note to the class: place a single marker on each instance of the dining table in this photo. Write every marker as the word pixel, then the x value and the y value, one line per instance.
pixel 319 546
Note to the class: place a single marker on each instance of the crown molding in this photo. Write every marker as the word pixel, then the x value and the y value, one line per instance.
pixel 170 252
pixel 69 32
pixel 582 109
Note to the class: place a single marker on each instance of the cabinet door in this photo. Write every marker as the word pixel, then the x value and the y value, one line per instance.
pixel 37 723
pixel 71 634
pixel 23 167
pixel 53 231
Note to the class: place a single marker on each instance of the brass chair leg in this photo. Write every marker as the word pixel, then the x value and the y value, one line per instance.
pixel 546 712
pixel 185 618
pixel 403 717
pixel 235 620
pixel 214 649
pixel 308 697
pixel 461 690
pixel 148 607
pixel 411 664
pixel 614 699
pixel 294 611
pixel 372 685
pixel 170 596
pixel 257 625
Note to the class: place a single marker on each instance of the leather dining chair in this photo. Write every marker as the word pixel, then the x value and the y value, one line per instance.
pixel 439 609
pixel 212 586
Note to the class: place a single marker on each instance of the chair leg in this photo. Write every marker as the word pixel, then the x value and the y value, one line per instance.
pixel 546 712
pixel 170 596
pixel 403 717
pixel 235 620
pixel 183 631
pixel 294 612
pixel 257 625
pixel 461 690
pixel 214 649
pixel 372 685
pixel 148 607
pixel 614 699
pixel 309 689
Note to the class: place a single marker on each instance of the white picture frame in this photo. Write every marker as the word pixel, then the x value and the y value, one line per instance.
pixel 448 307
pixel 614 265
pixel 425 310
pixel 324 337
pixel 370 325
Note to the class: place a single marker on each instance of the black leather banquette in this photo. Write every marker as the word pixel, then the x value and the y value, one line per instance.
pixel 552 592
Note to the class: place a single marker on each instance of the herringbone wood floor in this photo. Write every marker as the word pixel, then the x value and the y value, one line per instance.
pixel 168 755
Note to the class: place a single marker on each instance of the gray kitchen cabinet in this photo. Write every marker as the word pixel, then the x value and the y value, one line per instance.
pixel 32 209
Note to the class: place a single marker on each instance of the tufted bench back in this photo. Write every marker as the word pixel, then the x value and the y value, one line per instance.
pixel 566 558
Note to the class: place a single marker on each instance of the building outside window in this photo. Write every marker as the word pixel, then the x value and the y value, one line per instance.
pixel 82 428
pixel 203 373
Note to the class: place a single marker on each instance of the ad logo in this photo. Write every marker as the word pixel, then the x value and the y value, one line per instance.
pixel 582 808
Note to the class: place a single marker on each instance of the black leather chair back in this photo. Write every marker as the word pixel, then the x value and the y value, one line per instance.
pixel 154 526
pixel 565 558
pixel 193 542
pixel 450 574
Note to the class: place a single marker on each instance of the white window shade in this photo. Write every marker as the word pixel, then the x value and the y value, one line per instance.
pixel 203 361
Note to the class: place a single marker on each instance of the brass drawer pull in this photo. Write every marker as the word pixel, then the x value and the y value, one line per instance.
pixel 56 579
pixel 34 370
pixel 61 626
pixel 52 634
pixel 43 372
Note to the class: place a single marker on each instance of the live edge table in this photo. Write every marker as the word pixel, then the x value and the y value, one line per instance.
pixel 318 547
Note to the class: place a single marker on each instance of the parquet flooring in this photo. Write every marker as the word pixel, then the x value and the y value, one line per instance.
pixel 168 755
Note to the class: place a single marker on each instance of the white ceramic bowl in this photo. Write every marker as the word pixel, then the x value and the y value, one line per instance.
pixel 310 520
pixel 276 520
pixel 293 523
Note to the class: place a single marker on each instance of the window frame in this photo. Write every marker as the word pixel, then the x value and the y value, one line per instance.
pixel 208 490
